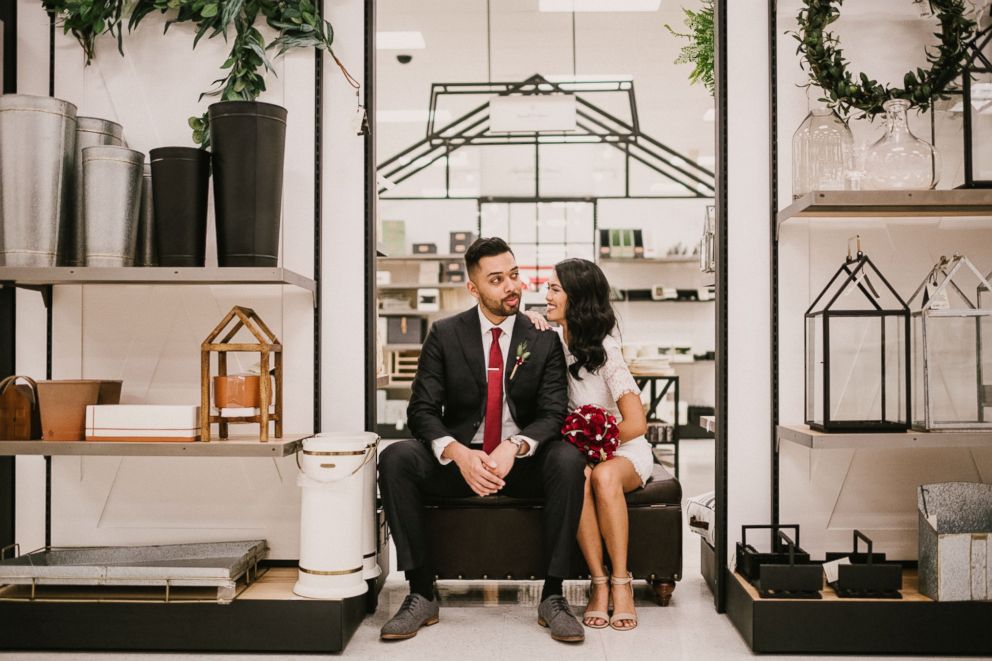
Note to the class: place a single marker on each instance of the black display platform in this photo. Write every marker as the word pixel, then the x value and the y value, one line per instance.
pixel 911 625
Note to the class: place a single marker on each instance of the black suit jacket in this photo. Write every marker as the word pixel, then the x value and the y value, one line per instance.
pixel 450 389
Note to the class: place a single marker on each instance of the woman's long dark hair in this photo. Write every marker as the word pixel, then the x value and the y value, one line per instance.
pixel 588 312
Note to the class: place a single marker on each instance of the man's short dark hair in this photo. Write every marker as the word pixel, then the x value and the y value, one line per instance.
pixel 484 247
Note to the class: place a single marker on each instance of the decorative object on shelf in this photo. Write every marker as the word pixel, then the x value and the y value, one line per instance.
pixel 90 132
pixel 394 237
pixel 425 249
pixel 37 146
pixel 429 273
pixel 428 300
pixel 180 186
pixel 19 411
pixel 858 352
pixel 621 243
pixel 145 253
pixel 822 147
pixel 663 293
pixel 866 575
pixel 783 573
pixel 454 272
pixel 460 241
pixel 828 69
pixel 248 141
pixel 976 107
pixel 899 160
pixel 952 363
pixel 955 529
pixel 111 204
pixel 405 330
pixel 241 391
pixel 298 24
pixel 266 344
pixel 331 548
pixel 592 430
pixel 402 370
pixel 700 50
pixel 143 422
pixel 63 405
pixel 707 246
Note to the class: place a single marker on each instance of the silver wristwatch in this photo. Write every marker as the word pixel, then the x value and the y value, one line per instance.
pixel 519 442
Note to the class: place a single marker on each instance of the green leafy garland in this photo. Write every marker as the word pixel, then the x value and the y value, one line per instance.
pixel 828 69
pixel 297 22
pixel 699 50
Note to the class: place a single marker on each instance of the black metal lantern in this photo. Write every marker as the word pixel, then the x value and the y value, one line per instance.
pixel 976 89
pixel 858 353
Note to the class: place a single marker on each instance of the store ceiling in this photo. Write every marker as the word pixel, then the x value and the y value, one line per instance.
pixel 523 41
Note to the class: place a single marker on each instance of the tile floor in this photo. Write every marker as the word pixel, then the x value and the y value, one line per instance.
pixel 494 620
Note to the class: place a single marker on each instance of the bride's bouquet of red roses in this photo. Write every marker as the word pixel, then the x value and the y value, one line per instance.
pixel 593 431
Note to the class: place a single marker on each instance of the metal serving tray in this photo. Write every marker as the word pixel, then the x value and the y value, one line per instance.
pixel 216 564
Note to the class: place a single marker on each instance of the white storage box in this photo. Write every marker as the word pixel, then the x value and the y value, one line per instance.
pixel 143 422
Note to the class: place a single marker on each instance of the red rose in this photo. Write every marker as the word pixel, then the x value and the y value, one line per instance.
pixel 593 431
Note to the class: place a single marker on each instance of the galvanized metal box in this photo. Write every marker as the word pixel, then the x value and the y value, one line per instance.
pixel 955 551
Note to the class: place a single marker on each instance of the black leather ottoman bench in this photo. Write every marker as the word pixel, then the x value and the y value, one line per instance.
pixel 500 538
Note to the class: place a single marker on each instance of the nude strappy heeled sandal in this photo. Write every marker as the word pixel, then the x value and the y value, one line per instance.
pixel 602 615
pixel 620 617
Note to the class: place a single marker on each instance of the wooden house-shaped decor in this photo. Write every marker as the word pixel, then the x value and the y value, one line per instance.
pixel 269 349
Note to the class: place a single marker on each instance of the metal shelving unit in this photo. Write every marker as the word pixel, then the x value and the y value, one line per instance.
pixel 803 435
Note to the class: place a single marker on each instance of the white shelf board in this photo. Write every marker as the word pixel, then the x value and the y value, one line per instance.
pixel 882 204
pixel 402 347
pixel 155 275
pixel 803 435
pixel 673 259
pixel 413 285
pixel 422 258
pixel 235 446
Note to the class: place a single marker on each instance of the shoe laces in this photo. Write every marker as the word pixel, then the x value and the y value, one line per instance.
pixel 409 603
pixel 559 605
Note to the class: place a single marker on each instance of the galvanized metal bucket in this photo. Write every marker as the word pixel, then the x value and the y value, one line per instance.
pixel 111 204
pixel 145 254
pixel 37 142
pixel 90 132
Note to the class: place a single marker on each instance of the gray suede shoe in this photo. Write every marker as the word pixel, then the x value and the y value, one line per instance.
pixel 416 611
pixel 555 614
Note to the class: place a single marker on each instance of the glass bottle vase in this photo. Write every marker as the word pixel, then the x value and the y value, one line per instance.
pixel 821 149
pixel 899 160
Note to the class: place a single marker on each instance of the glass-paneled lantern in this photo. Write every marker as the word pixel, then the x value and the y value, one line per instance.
pixel 952 375
pixel 857 353
pixel 977 111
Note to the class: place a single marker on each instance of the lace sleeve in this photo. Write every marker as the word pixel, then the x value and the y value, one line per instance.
pixel 615 373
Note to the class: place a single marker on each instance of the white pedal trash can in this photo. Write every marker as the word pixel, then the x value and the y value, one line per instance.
pixel 333 514
pixel 370 521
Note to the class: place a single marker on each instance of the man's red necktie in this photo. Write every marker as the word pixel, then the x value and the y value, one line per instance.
pixel 493 434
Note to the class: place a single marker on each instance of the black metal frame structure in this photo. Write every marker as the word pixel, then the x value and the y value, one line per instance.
pixel 595 125
pixel 857 274
pixel 978 62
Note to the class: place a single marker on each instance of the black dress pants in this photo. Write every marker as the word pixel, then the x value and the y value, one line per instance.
pixel 409 472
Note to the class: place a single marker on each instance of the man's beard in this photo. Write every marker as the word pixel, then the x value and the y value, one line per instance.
pixel 499 307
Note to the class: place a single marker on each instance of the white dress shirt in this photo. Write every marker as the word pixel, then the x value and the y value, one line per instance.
pixel 510 427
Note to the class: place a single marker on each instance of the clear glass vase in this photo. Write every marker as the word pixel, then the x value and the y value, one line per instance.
pixel 899 160
pixel 821 149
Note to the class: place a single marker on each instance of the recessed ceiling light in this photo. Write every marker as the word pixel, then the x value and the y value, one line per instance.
pixel 598 5
pixel 399 41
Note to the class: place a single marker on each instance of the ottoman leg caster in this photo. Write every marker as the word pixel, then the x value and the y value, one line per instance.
pixel 663 591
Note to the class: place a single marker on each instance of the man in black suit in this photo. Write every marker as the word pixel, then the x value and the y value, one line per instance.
pixel 487 407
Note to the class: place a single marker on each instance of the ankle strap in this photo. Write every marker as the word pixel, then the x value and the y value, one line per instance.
pixel 600 580
pixel 615 580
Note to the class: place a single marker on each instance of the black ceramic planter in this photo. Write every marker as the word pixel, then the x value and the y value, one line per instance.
pixel 248 143
pixel 180 181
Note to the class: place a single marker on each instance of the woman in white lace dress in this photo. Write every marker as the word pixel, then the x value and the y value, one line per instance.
pixel 579 301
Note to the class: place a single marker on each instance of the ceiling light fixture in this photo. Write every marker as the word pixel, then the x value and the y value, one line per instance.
pixel 399 41
pixel 598 5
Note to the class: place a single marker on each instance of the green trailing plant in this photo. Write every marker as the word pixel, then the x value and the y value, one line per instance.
pixel 828 68
pixel 298 24
pixel 699 51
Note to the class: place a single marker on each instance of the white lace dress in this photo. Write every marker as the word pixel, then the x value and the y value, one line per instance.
pixel 603 389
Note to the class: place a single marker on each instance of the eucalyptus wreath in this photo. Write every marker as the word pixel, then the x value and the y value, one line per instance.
pixel 828 68
pixel 298 24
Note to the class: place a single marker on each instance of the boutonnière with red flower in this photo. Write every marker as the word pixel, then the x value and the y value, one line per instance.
pixel 522 356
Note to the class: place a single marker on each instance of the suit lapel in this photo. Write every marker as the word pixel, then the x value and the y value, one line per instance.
pixel 470 337
pixel 522 333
